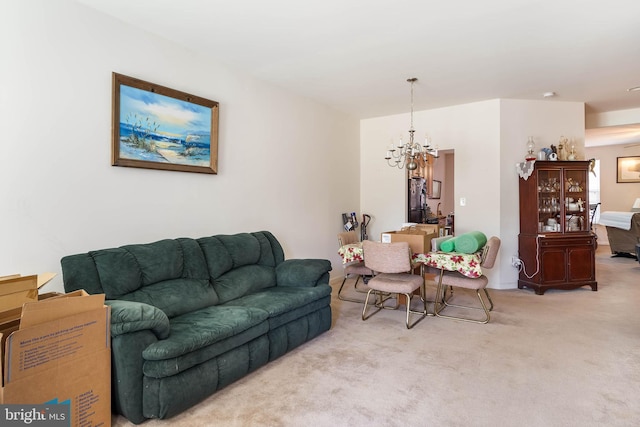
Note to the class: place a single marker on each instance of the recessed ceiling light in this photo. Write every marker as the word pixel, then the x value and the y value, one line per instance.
pixel 549 94
pixel 633 89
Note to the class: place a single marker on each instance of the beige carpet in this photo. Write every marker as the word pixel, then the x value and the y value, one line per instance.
pixel 567 358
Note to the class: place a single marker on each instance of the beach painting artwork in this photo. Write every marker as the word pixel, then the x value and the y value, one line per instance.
pixel 628 169
pixel 156 127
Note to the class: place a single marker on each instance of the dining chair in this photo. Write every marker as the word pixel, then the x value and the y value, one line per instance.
pixel 429 274
pixel 391 264
pixel 453 279
pixel 356 269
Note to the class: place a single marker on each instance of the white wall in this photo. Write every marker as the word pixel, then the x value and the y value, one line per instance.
pixel 488 139
pixel 473 131
pixel 547 122
pixel 462 127
pixel 614 196
pixel 285 163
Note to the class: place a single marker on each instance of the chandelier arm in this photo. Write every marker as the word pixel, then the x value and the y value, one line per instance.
pixel 395 163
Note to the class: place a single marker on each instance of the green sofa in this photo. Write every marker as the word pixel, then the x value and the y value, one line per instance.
pixel 190 316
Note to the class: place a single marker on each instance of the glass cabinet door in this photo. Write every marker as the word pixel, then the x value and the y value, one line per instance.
pixel 550 207
pixel 575 200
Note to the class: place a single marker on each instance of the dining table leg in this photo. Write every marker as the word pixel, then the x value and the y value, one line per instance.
pixel 440 293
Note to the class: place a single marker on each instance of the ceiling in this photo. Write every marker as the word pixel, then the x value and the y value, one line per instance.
pixel 629 135
pixel 356 55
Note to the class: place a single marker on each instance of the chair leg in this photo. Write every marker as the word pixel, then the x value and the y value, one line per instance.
pixel 489 298
pixel 379 303
pixel 440 299
pixel 355 285
pixel 446 302
pixel 422 313
pixel 366 305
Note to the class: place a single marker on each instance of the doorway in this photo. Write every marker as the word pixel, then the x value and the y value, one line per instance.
pixel 429 202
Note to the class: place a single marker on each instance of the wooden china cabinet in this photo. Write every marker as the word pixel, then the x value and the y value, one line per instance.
pixel 555 243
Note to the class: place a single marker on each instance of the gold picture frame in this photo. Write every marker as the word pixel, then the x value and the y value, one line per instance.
pixel 155 127
pixel 628 169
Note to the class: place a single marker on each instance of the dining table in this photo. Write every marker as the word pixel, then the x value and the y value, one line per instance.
pixel 466 264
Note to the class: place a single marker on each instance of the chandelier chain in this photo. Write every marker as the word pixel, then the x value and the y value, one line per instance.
pixel 412 81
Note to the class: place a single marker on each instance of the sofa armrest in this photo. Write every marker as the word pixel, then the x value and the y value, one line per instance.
pixel 134 327
pixel 131 316
pixel 303 272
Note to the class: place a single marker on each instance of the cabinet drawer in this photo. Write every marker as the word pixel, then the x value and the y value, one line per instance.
pixel 564 242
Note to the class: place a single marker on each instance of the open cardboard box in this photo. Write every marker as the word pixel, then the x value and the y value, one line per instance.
pixel 15 290
pixel 429 228
pixel 419 240
pixel 61 353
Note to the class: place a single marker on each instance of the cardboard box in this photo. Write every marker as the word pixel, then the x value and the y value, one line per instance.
pixel 419 241
pixel 10 320
pixel 16 290
pixel 429 228
pixel 61 353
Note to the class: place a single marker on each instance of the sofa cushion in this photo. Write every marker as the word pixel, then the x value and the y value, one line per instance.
pixel 226 252
pixel 270 250
pixel 244 280
pixel 244 248
pixel 158 261
pixel 195 265
pixel 198 329
pixel 175 297
pixel 118 271
pixel 276 248
pixel 286 303
pixel 218 260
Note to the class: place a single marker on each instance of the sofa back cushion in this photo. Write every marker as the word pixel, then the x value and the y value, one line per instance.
pixel 243 281
pixel 118 271
pixel 126 269
pixel 169 274
pixel 176 296
pixel 157 261
pixel 178 275
pixel 241 264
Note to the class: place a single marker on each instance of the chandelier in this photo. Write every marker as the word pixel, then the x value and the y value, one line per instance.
pixel 412 154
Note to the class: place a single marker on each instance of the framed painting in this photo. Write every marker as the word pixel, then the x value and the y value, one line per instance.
pixel 628 169
pixel 435 189
pixel 155 127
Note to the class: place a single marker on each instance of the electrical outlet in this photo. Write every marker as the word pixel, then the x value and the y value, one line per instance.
pixel 516 262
